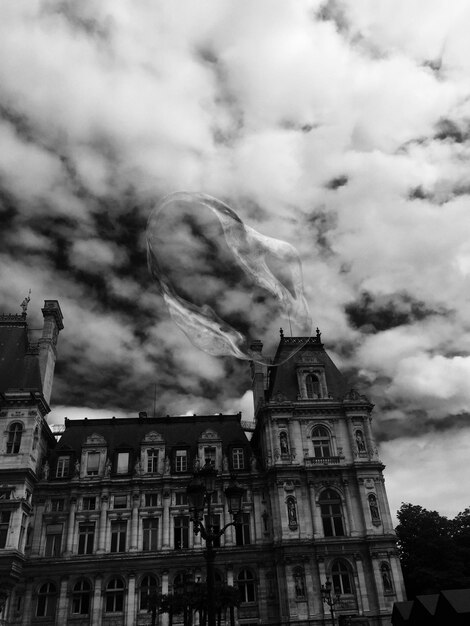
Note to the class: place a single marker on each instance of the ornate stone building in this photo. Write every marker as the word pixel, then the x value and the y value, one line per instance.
pixel 92 524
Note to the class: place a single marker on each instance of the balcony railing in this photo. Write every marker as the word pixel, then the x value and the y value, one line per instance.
pixel 322 460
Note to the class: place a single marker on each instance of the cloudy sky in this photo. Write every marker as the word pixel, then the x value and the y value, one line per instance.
pixel 342 127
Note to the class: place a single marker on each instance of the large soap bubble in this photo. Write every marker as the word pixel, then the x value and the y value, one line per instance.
pixel 225 284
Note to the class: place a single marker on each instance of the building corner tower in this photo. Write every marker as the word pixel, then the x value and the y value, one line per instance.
pixel 329 512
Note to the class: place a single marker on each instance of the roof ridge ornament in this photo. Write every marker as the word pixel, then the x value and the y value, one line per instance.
pixel 24 304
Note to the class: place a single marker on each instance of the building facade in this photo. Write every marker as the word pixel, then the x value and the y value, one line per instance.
pixel 96 522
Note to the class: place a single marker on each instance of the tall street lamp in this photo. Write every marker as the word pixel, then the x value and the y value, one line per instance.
pixel 328 599
pixel 200 491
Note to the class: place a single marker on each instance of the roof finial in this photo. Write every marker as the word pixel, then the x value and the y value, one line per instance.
pixel 281 332
pixel 318 335
pixel 24 304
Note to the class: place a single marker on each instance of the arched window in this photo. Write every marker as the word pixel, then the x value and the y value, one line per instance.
pixel 246 586
pixel 114 596
pixel 312 386
pixel 283 443
pixel 15 433
pixel 374 507
pixel 46 603
pixel 81 597
pixel 331 513
pixel 321 442
pixel 386 575
pixel 342 579
pixel 148 592
pixel 291 512
pixel 299 582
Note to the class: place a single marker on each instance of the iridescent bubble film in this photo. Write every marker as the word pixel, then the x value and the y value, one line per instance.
pixel 224 283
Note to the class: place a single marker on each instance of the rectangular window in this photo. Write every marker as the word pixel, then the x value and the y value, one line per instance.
pixel 57 504
pixel 89 503
pixel 181 461
pixel 152 461
pixel 150 534
pixel 209 456
pixel 120 502
pixel 242 531
pixel 86 538
pixel 53 540
pixel 181 498
pixel 215 527
pixel 118 536
pixel 63 466
pixel 238 459
pixel 5 494
pixel 122 466
pixel 181 532
pixel 151 499
pixel 4 527
pixel 93 463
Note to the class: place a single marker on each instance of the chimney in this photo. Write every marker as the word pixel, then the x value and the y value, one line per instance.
pixel 53 324
pixel 258 373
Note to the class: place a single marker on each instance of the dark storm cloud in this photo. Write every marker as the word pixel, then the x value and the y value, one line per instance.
pixel 375 314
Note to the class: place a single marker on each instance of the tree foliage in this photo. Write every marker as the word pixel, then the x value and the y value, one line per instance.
pixel 434 550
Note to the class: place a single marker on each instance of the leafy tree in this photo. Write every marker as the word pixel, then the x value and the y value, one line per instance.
pixel 434 550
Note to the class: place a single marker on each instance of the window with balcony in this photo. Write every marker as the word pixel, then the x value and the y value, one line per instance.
pixel 53 540
pixel 331 513
pixel 321 442
pixel 152 461
pixel 4 527
pixel 15 432
pixel 118 536
pixel 114 596
pixel 81 596
pixel 181 530
pixel 86 538
pixel 181 461
pixel 150 534
pixel 238 458
pixel 46 600
pixel 341 577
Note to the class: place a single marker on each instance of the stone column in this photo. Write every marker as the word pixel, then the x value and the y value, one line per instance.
pixel 352 441
pixel 71 526
pixel 38 528
pixel 28 609
pixel 304 518
pixel 166 519
pixel 134 523
pixel 369 437
pixel 62 606
pixel 364 506
pixel 362 597
pixel 130 605
pixel 97 608
pixel 316 514
pixel 103 524
pixel 384 507
pixel 350 509
pixel 398 584
pixel 310 588
pixel 378 582
pixel 164 617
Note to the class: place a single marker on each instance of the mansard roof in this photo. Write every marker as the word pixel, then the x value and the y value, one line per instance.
pixel 19 364
pixel 182 431
pixel 283 377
